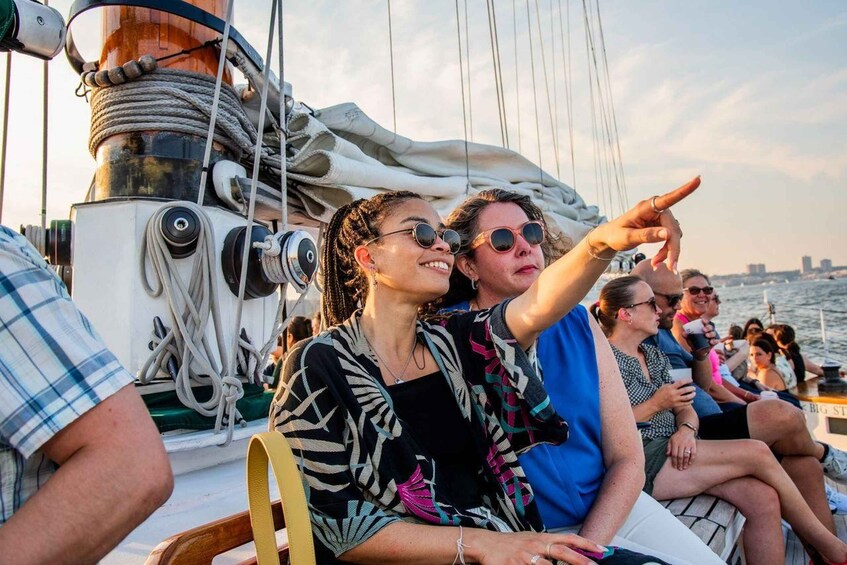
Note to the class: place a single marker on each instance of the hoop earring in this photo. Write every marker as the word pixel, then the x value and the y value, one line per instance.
pixel 474 284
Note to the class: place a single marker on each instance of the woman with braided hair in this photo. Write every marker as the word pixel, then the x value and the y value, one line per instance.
pixel 407 430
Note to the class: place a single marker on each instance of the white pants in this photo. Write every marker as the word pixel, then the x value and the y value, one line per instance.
pixel 651 529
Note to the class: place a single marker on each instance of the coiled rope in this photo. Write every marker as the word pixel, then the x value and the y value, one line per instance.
pixel 177 101
pixel 191 309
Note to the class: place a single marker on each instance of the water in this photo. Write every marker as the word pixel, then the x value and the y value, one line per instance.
pixel 797 304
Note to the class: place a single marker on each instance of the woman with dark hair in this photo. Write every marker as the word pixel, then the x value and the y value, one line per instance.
pixel 417 461
pixel 592 483
pixel 752 327
pixel 299 328
pixel 787 341
pixel 763 356
pixel 678 464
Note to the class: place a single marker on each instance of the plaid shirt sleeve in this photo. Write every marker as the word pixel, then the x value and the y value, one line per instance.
pixel 53 365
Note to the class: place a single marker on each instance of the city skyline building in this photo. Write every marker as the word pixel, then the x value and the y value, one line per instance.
pixel 807 264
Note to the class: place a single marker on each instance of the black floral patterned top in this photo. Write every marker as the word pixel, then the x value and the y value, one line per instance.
pixel 363 470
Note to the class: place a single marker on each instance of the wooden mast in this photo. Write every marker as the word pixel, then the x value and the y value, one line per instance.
pixel 156 163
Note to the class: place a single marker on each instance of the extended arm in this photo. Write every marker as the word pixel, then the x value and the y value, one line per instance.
pixel 740 356
pixel 812 367
pixel 623 455
pixel 402 543
pixel 113 473
pixel 567 280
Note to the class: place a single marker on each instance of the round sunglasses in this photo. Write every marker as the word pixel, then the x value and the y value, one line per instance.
pixel 425 235
pixel 503 239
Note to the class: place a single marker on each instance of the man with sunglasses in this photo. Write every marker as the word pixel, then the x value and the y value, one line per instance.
pixel 668 293
pixel 779 424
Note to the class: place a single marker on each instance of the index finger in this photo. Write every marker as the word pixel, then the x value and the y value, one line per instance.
pixel 668 199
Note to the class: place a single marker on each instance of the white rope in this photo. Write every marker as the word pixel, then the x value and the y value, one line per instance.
pixel 242 283
pixel 207 152
pixel 172 100
pixel 191 308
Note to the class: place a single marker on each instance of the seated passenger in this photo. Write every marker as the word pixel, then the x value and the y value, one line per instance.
pixel 780 425
pixel 763 361
pixel 752 327
pixel 786 339
pixel 677 463
pixel 592 483
pixel 407 431
pixel 81 461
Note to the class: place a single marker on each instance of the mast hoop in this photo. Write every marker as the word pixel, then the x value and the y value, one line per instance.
pixel 173 7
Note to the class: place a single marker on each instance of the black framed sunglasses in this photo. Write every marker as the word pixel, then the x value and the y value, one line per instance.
pixel 503 239
pixel 425 235
pixel 673 299
pixel 695 290
pixel 651 301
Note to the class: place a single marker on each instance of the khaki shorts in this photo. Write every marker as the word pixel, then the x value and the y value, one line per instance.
pixel 654 459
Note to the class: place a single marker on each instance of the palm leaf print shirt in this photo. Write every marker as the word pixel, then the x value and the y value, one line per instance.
pixel 363 471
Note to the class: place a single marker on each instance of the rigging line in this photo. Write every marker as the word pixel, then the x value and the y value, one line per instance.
pixel 391 57
pixel 517 78
pixel 242 282
pixel 497 83
pixel 464 113
pixel 283 124
pixel 608 151
pixel 468 63
pixel 547 88
pixel 612 108
pixel 597 175
pixel 213 117
pixel 44 156
pixel 534 93
pixel 568 85
pixel 608 147
pixel 494 66
pixel 500 73
pixel 5 130
pixel 555 90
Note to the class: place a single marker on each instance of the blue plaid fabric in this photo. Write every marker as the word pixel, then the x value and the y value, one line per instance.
pixel 53 368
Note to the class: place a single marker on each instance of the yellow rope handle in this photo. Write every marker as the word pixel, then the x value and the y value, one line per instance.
pixel 272 446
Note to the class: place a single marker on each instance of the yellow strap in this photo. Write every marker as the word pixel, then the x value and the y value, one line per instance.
pixel 272 446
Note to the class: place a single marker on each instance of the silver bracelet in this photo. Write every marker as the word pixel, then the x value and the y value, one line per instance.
pixel 590 251
pixel 692 428
pixel 460 549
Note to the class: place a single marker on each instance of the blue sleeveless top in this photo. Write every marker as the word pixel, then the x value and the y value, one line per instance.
pixel 566 478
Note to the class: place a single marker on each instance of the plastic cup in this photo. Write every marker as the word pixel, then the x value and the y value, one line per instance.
pixel 695 332
pixel 768 394
pixel 682 375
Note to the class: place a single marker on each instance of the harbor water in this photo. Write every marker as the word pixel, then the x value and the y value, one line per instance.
pixel 796 303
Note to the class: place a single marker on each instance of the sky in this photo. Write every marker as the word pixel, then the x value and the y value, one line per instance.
pixel 751 96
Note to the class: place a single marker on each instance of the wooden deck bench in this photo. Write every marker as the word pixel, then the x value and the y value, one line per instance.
pixel 715 521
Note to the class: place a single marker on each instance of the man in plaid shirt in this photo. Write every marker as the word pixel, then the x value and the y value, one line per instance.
pixel 81 462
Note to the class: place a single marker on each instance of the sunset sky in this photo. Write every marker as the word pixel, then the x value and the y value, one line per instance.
pixel 752 96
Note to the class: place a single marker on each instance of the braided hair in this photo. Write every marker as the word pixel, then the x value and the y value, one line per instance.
pixel 344 282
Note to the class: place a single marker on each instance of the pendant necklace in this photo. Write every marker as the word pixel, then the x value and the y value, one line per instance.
pixel 397 380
